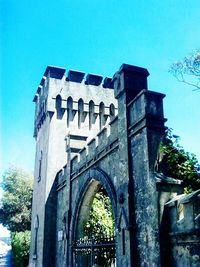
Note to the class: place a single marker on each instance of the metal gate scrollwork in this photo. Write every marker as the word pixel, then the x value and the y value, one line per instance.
pixel 96 251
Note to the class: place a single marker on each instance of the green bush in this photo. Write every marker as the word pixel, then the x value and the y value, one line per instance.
pixel 20 245
pixel 177 163
pixel 101 221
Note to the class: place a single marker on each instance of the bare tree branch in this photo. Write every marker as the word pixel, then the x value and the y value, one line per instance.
pixel 188 70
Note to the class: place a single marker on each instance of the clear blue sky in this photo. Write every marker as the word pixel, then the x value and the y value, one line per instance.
pixel 93 36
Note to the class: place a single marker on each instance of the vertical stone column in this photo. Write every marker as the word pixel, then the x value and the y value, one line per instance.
pixel 140 127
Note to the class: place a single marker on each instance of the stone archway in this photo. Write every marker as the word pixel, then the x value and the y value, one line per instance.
pixel 93 250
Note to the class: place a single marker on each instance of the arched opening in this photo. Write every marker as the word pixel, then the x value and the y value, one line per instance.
pixel 101 115
pixel 80 112
pixel 112 111
pixel 94 243
pixel 91 114
pixel 59 109
pixel 69 110
pixel 36 226
pixel 40 166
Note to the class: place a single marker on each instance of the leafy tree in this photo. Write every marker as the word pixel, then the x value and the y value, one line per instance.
pixel 101 222
pixel 15 206
pixel 20 246
pixel 101 225
pixel 187 70
pixel 177 163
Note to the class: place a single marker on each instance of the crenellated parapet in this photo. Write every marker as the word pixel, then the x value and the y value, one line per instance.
pixel 84 156
pixel 41 96
pixel 80 99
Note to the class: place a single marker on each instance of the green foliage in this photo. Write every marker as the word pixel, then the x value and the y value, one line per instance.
pixel 101 224
pixel 187 70
pixel 15 206
pixel 177 163
pixel 20 245
pixel 101 220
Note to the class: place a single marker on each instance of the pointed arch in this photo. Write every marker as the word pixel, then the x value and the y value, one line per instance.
pixel 101 115
pixel 91 114
pixel 94 179
pixel 69 110
pixel 59 109
pixel 80 112
pixel 36 227
pixel 112 111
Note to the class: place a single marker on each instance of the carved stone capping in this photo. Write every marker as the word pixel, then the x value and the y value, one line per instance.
pixel 93 79
pixel 102 137
pixel 75 142
pixel 75 76
pixel 194 196
pixel 54 72
pixel 154 105
pixel 108 83
pixel 130 80
pixel 173 201
pixel 183 211
pixel 147 104
pixel 168 184
pixel 39 89
pixel 35 98
pixel 91 147
pixel 42 81
pixel 184 198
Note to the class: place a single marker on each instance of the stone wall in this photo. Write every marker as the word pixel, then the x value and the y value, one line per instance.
pixel 181 231
pixel 91 136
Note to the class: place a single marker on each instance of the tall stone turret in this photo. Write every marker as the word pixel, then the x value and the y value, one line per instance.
pixel 68 108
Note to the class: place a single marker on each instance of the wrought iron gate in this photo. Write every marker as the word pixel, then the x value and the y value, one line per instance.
pixel 94 252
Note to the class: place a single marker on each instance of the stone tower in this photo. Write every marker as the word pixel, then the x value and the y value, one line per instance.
pixel 82 145
pixel 68 108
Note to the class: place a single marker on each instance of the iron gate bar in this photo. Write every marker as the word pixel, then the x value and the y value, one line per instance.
pixel 95 245
pixel 95 249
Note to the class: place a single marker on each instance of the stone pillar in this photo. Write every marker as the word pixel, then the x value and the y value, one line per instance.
pixel 140 127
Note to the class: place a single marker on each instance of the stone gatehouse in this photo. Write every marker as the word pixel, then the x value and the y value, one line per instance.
pixel 94 132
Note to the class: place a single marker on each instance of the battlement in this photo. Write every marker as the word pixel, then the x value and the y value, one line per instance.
pixel 78 125
pixel 74 76
pixel 97 147
pixel 86 99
